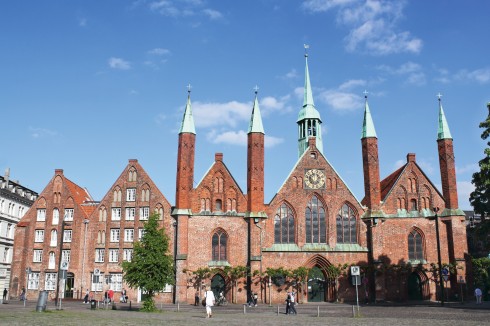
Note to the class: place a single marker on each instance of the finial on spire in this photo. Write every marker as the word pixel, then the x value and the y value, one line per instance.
pixel 189 88
pixel 256 89
pixel 439 95
pixel 365 94
pixel 306 49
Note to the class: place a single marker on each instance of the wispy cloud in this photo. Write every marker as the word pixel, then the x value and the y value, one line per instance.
pixel 412 72
pixel 176 9
pixel 159 51
pixel 469 168
pixel 465 188
pixel 479 75
pixel 82 22
pixel 118 63
pixel 42 132
pixel 212 14
pixel 238 138
pixel 372 25
pixel 346 97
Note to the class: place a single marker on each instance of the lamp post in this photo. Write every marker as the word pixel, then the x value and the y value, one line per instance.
pixel 63 223
pixel 441 283
pixel 85 221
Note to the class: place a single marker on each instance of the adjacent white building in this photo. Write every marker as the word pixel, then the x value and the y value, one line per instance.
pixel 15 200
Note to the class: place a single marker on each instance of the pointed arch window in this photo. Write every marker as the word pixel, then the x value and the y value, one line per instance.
pixel 54 238
pixel 219 243
pixel 56 217
pixel 346 223
pixel 52 260
pixel 415 246
pixel 316 226
pixel 284 225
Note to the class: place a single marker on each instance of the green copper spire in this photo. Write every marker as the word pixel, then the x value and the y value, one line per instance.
pixel 188 121
pixel 256 118
pixel 309 121
pixel 443 130
pixel 368 130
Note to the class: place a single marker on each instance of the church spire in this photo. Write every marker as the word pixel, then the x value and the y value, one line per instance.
pixel 256 118
pixel 309 121
pixel 367 125
pixel 188 120
pixel 443 130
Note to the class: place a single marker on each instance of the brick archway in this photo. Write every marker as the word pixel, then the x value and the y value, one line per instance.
pixel 322 264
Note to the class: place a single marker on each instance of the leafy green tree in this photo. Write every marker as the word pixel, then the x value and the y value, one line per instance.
pixel 235 273
pixel 480 198
pixel 481 274
pixel 300 276
pixel 151 267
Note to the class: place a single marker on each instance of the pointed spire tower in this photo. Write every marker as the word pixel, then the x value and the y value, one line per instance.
pixel 446 161
pixel 255 163
pixel 309 121
pixel 184 185
pixel 370 162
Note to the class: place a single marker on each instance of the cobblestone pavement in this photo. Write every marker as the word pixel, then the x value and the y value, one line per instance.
pixel 77 313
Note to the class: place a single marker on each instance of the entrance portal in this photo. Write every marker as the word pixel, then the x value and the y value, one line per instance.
pixel 218 285
pixel 316 285
pixel 414 287
pixel 69 285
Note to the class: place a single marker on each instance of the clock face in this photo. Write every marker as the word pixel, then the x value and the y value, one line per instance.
pixel 314 179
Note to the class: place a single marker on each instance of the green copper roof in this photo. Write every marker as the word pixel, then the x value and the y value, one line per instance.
pixel 188 121
pixel 308 111
pixel 443 130
pixel 368 125
pixel 256 118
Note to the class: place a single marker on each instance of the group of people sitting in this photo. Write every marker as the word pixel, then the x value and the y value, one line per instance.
pixel 108 296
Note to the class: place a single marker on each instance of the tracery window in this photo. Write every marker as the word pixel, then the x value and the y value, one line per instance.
pixel 415 247
pixel 219 243
pixel 346 225
pixel 284 225
pixel 316 226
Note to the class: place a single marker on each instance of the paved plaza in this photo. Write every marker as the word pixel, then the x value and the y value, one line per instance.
pixel 77 313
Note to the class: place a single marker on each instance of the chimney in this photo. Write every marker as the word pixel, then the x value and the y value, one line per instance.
pixel 218 157
pixel 410 157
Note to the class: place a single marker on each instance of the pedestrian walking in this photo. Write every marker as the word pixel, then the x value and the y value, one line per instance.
pixel 196 298
pixel 5 294
pixel 23 294
pixel 478 295
pixel 288 303
pixel 85 299
pixel 210 301
pixel 292 308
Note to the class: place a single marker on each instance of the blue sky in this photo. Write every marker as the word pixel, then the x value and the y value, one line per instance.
pixel 87 85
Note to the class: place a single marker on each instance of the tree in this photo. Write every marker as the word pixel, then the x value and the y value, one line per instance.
pixel 200 274
pixel 235 273
pixel 300 276
pixel 480 197
pixel 334 273
pixel 481 274
pixel 151 267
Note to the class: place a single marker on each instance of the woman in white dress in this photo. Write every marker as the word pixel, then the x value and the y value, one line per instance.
pixel 210 300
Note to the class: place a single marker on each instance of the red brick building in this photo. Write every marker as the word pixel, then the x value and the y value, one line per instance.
pixel 313 221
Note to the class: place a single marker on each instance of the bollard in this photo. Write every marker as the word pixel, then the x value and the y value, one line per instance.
pixel 41 301
pixel 178 306
pixel 129 305
pixel 318 311
pixel 278 310
pixel 244 308
pixel 353 312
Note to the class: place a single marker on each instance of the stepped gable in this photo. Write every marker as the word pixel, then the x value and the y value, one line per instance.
pixel 218 184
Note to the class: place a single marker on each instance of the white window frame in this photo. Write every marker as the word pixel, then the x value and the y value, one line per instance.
pixel 141 232
pixel 113 255
pixel 127 254
pixel 54 238
pixel 99 255
pixel 131 194
pixel 115 281
pixel 56 216
pixel 41 215
pixel 37 257
pixel 50 281
pixel 144 213
pixel 52 260
pixel 69 212
pixel 67 235
pixel 116 214
pixel 33 281
pixel 66 255
pixel 39 236
pixel 130 213
pixel 115 235
pixel 97 283
pixel 128 235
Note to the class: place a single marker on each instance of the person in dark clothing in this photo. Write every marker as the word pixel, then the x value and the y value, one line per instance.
pixel 196 298
pixel 5 294
pixel 288 303
pixel 292 308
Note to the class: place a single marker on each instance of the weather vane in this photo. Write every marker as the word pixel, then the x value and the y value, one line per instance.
pixel 189 88
pixel 365 93
pixel 256 89
pixel 306 49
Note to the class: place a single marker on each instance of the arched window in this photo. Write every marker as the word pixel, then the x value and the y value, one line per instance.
pixel 52 260
pixel 415 248
pixel 316 226
pixel 219 243
pixel 56 216
pixel 54 238
pixel 346 225
pixel 284 225
pixel 413 204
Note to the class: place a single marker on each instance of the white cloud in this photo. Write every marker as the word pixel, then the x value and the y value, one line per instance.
pixel 352 83
pixel 159 51
pixel 269 105
pixel 413 71
pixel 341 101
pixel 118 63
pixel 238 138
pixel 372 24
pixel 177 9
pixel 212 14
pixel 465 188
pixel 42 132
pixel 82 22
pixel 469 168
pixel 479 75
pixel 220 114
pixel 270 141
pixel 291 75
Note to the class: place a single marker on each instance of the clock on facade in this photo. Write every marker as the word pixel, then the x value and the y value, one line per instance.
pixel 314 179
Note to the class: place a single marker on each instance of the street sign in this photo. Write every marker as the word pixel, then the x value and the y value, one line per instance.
pixel 96 272
pixel 445 274
pixel 355 270
pixel 461 279
pixel 28 270
pixel 64 265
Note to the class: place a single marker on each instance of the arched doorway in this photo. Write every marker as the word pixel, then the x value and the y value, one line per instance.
pixel 316 285
pixel 218 285
pixel 69 285
pixel 414 287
